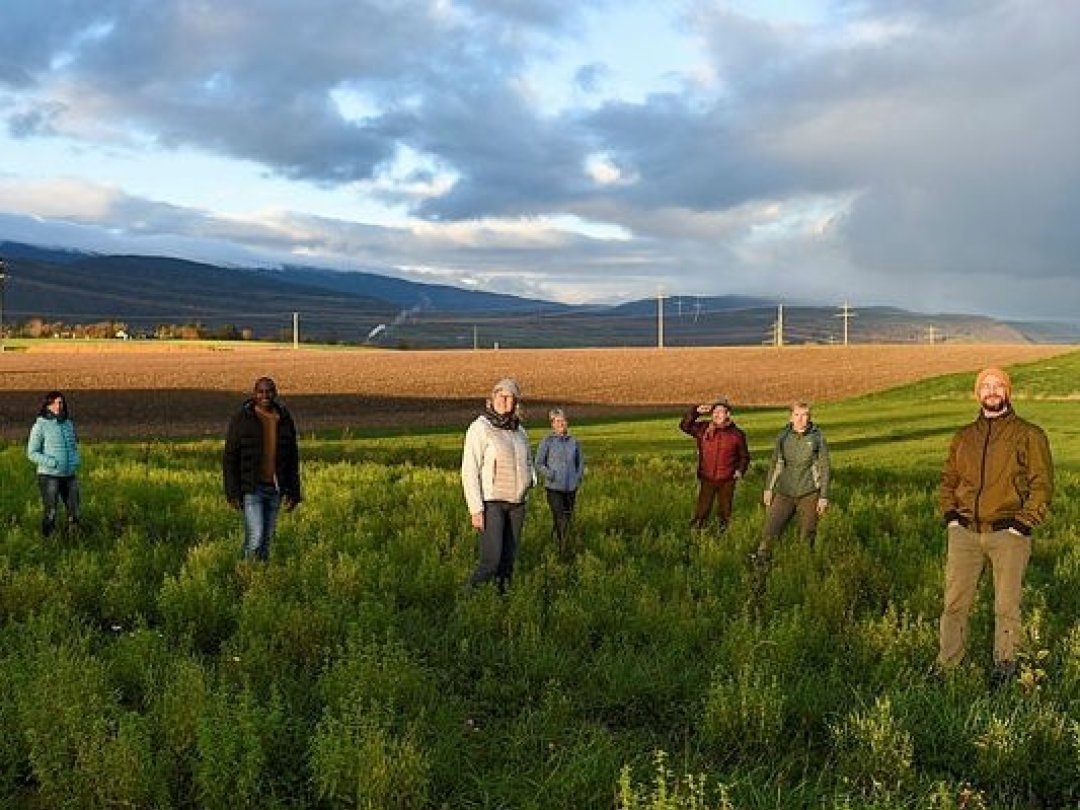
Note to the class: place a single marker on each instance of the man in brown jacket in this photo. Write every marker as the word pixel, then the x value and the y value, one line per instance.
pixel 995 488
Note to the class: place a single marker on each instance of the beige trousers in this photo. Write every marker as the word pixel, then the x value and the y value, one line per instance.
pixel 969 551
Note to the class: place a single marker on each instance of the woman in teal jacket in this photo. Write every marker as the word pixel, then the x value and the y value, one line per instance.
pixel 54 448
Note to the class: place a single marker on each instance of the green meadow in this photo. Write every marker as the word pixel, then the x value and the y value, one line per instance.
pixel 143 665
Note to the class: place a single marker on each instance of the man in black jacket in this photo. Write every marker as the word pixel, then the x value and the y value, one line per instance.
pixel 261 466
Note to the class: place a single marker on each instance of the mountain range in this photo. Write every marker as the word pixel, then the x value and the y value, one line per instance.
pixel 64 287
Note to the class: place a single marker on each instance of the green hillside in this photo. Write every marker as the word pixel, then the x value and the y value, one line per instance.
pixel 142 665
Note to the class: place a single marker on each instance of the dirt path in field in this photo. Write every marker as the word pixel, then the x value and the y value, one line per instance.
pixel 147 390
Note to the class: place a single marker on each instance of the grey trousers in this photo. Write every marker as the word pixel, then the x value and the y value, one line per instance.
pixel 503 522
pixel 780 512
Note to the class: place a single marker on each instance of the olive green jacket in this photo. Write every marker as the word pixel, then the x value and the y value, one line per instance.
pixel 800 463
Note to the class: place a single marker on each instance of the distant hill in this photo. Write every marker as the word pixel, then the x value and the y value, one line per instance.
pixel 143 291
pixel 410 294
pixel 692 305
pixel 354 307
pixel 1048 331
pixel 704 327
pixel 17 250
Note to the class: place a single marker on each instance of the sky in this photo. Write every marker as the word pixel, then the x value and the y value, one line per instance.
pixel 916 153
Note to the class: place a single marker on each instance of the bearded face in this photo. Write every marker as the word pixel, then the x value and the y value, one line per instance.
pixel 993 395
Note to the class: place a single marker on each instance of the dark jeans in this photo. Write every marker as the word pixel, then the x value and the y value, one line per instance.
pixel 54 488
pixel 723 492
pixel 499 543
pixel 780 512
pixel 562 513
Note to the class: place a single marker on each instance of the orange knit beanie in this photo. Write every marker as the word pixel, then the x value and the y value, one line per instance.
pixel 1001 375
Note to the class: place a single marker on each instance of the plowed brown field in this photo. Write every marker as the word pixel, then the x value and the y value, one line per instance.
pixel 147 390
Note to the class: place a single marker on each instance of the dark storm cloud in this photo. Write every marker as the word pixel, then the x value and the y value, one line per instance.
pixel 949 125
pixel 941 132
pixel 969 170
pixel 511 162
pixel 259 86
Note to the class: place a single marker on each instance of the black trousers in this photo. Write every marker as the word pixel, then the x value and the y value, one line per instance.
pixel 499 541
pixel 562 513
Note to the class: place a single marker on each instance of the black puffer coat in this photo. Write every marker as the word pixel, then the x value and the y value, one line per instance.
pixel 243 454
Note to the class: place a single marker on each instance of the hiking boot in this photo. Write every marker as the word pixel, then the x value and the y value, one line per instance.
pixel 760 559
pixel 1003 673
pixel 937 673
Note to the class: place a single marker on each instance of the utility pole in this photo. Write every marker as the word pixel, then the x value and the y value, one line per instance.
pixel 659 317
pixel 778 327
pixel 296 330
pixel 475 338
pixel 3 285
pixel 847 315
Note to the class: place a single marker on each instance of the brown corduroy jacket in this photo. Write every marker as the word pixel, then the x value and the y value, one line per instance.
pixel 999 475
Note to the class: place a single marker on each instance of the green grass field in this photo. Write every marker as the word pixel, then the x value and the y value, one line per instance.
pixel 142 665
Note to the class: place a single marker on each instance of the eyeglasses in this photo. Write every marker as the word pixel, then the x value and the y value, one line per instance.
pixel 264 390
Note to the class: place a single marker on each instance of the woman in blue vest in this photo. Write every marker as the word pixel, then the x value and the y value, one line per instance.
pixel 561 464
pixel 54 448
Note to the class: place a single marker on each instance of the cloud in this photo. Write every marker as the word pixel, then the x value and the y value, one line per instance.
pixel 911 149
pixel 590 78
pixel 260 86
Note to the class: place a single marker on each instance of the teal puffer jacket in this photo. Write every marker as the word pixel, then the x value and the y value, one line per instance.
pixel 53 446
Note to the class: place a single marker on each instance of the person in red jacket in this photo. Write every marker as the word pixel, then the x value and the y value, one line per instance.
pixel 723 459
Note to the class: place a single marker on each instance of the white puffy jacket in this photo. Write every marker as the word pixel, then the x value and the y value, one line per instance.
pixel 482 478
